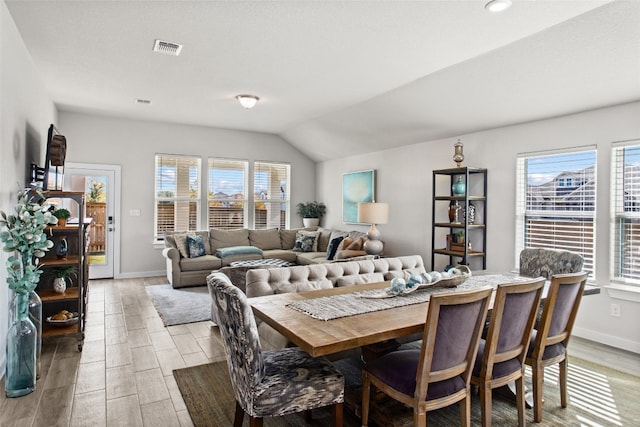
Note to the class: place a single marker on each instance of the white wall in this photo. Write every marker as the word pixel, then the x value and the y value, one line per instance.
pixel 25 114
pixel 404 178
pixel 133 145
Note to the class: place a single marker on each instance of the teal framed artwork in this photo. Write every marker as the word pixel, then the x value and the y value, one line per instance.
pixel 357 187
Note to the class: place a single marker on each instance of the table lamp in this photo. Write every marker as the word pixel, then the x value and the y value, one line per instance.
pixel 373 213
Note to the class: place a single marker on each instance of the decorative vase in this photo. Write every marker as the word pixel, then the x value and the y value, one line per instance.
pixel 62 248
pixel 469 214
pixel 59 285
pixel 459 187
pixel 35 314
pixel 454 209
pixel 310 222
pixel 21 370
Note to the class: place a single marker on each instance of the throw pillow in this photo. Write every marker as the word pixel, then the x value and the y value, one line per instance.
pixel 181 244
pixel 314 234
pixel 238 250
pixel 195 246
pixel 356 245
pixel 304 242
pixel 333 247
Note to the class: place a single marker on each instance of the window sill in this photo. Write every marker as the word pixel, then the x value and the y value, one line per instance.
pixel 623 292
pixel 158 244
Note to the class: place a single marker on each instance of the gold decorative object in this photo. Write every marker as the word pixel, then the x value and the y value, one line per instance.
pixel 458 156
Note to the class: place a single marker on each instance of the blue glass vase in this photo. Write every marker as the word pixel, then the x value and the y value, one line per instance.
pixel 459 187
pixel 21 370
pixel 35 314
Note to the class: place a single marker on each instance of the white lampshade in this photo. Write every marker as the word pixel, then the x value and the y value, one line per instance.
pixel 247 101
pixel 373 213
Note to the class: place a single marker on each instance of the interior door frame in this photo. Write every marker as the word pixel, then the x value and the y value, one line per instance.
pixel 117 170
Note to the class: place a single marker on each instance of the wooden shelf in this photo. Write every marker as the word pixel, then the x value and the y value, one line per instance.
pixel 54 331
pixel 444 251
pixel 457 225
pixel 71 294
pixel 52 262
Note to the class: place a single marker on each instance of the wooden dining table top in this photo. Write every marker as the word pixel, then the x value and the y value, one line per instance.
pixel 320 337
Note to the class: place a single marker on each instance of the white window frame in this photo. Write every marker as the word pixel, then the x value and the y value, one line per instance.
pixel 176 199
pixel 281 201
pixel 524 213
pixel 219 164
pixel 622 254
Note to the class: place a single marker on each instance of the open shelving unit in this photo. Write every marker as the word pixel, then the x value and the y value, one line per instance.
pixel 76 296
pixel 475 194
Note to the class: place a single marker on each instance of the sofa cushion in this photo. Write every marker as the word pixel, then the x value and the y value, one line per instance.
pixel 205 262
pixel 304 258
pixel 238 250
pixel 306 241
pixel 227 238
pixel 265 239
pixel 324 238
pixel 181 244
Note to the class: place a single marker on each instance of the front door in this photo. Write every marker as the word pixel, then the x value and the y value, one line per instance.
pixel 98 182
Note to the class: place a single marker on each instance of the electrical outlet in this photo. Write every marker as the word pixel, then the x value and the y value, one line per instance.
pixel 615 310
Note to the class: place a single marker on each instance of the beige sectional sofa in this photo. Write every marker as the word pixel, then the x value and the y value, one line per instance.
pixel 302 278
pixel 222 247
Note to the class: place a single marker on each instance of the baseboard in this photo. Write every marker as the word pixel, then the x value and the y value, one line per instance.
pixel 135 275
pixel 606 339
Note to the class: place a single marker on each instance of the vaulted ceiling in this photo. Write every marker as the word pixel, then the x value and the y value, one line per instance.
pixel 336 78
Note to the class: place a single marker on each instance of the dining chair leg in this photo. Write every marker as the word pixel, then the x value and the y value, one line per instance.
pixel 537 379
pixel 520 401
pixel 563 383
pixel 239 416
pixel 485 405
pixel 338 410
pixel 255 422
pixel 366 394
pixel 465 409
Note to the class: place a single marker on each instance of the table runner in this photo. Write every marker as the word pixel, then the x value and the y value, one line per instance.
pixel 360 302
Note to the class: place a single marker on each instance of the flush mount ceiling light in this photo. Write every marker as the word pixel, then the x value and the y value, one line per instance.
pixel 497 5
pixel 247 101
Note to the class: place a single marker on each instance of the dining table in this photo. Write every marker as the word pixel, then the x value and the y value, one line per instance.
pixel 328 321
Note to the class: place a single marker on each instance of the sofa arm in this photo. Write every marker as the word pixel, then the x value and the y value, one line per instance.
pixel 173 265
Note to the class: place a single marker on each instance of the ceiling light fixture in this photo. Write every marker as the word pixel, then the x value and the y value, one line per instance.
pixel 247 101
pixel 497 5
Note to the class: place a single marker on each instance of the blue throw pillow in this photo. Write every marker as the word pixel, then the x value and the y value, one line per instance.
pixel 195 246
pixel 333 247
pixel 238 250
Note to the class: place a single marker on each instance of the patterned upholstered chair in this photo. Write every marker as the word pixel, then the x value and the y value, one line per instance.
pixel 501 356
pixel 549 341
pixel 536 262
pixel 438 374
pixel 270 383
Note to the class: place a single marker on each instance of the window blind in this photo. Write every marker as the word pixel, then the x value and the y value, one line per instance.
pixel 271 195
pixel 227 193
pixel 177 193
pixel 626 212
pixel 556 202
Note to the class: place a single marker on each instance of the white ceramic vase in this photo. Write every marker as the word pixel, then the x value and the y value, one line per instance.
pixel 59 285
pixel 310 222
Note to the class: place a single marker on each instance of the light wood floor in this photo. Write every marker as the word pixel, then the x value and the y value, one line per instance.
pixel 123 376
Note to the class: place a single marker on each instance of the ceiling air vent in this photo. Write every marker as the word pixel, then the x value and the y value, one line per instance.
pixel 143 101
pixel 167 47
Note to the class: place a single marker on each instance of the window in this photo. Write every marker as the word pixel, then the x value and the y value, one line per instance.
pixel 227 198
pixel 177 195
pixel 626 212
pixel 556 199
pixel 271 195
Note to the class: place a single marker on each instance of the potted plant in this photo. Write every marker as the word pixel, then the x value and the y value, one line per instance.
pixel 61 275
pixel 62 215
pixel 311 212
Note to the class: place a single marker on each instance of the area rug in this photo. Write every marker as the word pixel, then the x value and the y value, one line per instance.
pixel 598 396
pixel 182 305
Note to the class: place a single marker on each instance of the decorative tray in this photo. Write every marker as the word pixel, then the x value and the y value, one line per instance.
pixel 62 323
pixel 430 280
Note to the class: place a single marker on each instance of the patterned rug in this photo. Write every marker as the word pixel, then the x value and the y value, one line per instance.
pixel 598 396
pixel 182 305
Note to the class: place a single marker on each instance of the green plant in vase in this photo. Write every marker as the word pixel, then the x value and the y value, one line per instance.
pixel 23 235
pixel 62 215
pixel 311 210
pixel 61 275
